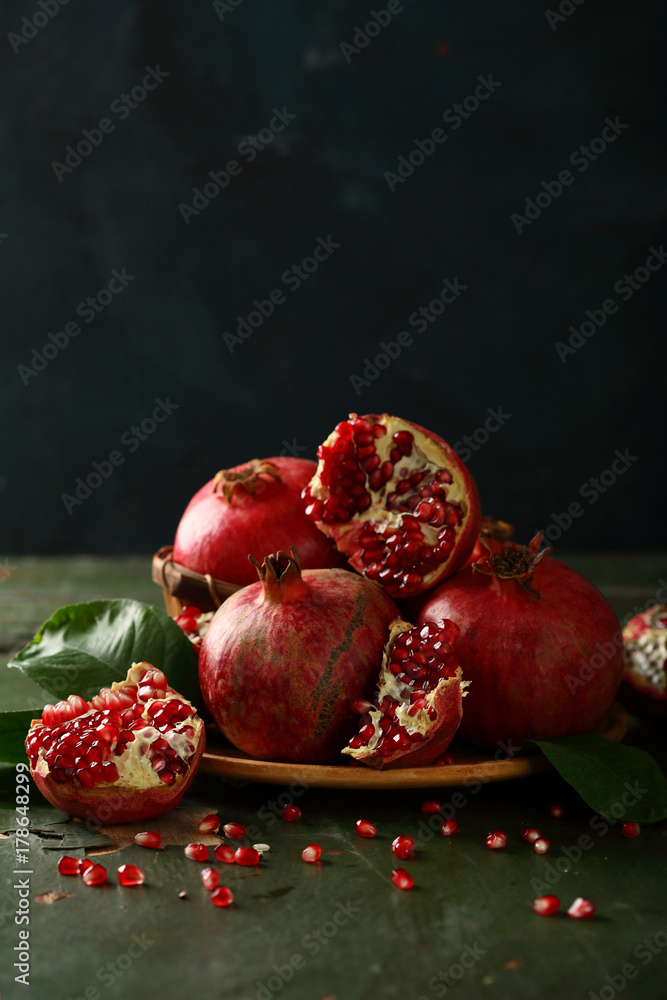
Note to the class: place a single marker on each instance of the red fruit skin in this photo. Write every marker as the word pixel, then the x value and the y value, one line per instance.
pixel 215 536
pixel 518 650
pixel 278 678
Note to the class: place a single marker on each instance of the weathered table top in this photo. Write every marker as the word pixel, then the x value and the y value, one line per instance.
pixel 338 929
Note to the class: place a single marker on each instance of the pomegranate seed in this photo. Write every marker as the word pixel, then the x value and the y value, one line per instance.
pixel 222 896
pixel 187 624
pixel 191 611
pixel 365 829
pixel 196 852
pixel 449 828
pixel 311 853
pixel 95 875
pixel 247 856
pixel 148 839
pixel 630 830
pixel 545 906
pixel 290 813
pixel 496 839
pixel 530 835
pixel 402 879
pixel 541 845
pixel 444 760
pixel 130 875
pixel 224 852
pixel 68 866
pixel 234 830
pixel 182 894
pixel 403 847
pixel 209 824
pixel 556 811
pixel 430 807
pixel 84 865
pixel 210 878
pixel 581 909
pixel 360 706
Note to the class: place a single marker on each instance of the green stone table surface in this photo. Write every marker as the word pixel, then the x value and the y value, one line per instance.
pixel 338 929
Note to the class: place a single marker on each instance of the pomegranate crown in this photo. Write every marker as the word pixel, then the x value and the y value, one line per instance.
pixel 227 483
pixel 511 561
pixel 280 576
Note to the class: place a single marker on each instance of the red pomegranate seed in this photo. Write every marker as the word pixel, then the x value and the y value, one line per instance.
pixel 290 813
pixel 361 707
pixel 246 856
pixel 530 835
pixel 209 824
pixel 210 878
pixel 196 852
pixel 541 845
pixel 222 896
pixel 430 807
pixel 556 811
pixel 402 879
pixel 496 839
pixel 95 875
pixel 545 906
pixel 224 852
pixel 450 827
pixel 148 839
pixel 444 760
pixel 68 866
pixel 187 624
pixel 403 847
pixel 84 865
pixel 130 875
pixel 311 853
pixel 581 909
pixel 630 830
pixel 365 829
pixel 234 830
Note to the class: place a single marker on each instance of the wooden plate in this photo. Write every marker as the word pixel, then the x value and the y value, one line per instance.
pixel 472 764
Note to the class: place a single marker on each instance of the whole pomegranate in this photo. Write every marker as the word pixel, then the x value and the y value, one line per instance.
pixel 127 755
pixel 255 507
pixel 538 641
pixel 645 678
pixel 283 658
pixel 397 500
pixel 417 706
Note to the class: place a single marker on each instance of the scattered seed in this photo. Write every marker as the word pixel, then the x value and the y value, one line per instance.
pixel 261 848
pixel 556 811
pixel 222 896
pixel 402 879
pixel 95 875
pixel 196 852
pixel 311 853
pixel 234 830
pixel 365 829
pixel 449 828
pixel 224 852
pixel 581 909
pixel 148 839
pixel 130 875
pixel 403 847
pixel 210 878
pixel 630 830
pixel 182 894
pixel 545 906
pixel 247 856
pixel 496 839
pixel 541 845
pixel 530 835
pixel 430 807
pixel 290 813
pixel 68 866
pixel 209 824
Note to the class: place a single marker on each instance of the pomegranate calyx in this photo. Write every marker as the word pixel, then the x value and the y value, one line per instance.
pixel 245 481
pixel 513 561
pixel 280 576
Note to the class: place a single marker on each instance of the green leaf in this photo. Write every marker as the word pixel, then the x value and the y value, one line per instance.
pixel 84 647
pixel 617 781
pixel 13 729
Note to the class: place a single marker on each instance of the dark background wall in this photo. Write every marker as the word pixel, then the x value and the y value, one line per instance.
pixel 63 232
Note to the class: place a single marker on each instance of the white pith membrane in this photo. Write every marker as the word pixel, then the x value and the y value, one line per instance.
pixel 134 767
pixel 416 724
pixel 387 511
pixel 646 648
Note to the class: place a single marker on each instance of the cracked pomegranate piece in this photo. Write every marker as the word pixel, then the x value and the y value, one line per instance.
pixel 194 623
pixel 645 678
pixel 127 755
pixel 397 500
pixel 418 702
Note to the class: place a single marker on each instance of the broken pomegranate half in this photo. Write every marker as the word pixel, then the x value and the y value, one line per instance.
pixel 194 623
pixel 397 500
pixel 417 706
pixel 645 678
pixel 127 755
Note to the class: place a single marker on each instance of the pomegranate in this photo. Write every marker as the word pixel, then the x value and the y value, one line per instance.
pixel 283 658
pixel 397 500
pixel 194 623
pixel 492 530
pixel 538 641
pixel 127 755
pixel 418 702
pixel 645 678
pixel 255 507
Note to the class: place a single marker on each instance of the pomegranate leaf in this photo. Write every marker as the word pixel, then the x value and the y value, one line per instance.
pixel 84 647
pixel 13 728
pixel 618 781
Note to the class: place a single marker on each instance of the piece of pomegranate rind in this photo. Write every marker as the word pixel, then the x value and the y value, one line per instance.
pixel 397 501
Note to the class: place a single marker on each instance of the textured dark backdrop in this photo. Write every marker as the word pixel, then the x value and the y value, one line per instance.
pixel 323 176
